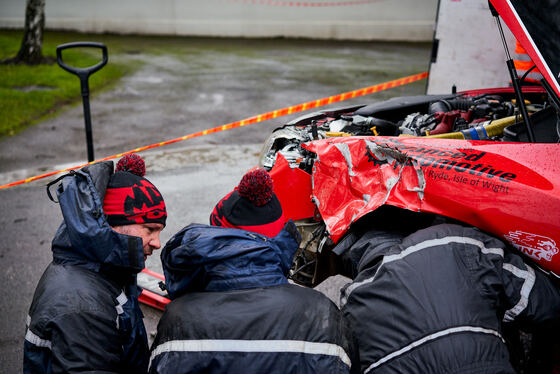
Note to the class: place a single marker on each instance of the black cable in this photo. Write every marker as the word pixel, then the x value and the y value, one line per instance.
pixel 526 73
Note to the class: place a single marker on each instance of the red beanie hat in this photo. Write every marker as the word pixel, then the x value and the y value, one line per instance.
pixel 252 206
pixel 130 198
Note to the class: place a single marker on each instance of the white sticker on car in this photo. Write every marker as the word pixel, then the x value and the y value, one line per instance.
pixel 536 246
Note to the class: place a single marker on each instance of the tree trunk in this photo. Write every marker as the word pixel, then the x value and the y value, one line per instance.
pixel 30 51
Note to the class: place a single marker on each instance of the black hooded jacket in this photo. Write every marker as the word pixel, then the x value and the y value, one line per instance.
pixel 434 302
pixel 233 310
pixel 85 315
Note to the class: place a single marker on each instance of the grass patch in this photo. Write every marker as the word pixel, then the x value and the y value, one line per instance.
pixel 29 94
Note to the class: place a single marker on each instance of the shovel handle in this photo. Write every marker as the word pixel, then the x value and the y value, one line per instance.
pixel 83 73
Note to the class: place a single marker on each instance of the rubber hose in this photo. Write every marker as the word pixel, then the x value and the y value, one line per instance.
pixel 449 105
pixel 489 129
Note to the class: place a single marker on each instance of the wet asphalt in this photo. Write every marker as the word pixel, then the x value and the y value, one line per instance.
pixel 188 86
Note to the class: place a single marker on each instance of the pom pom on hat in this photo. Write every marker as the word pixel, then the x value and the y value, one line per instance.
pixel 252 206
pixel 256 186
pixel 132 163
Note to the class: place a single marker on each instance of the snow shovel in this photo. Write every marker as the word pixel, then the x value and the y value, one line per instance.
pixel 83 74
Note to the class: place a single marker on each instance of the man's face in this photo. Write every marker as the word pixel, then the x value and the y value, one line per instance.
pixel 148 232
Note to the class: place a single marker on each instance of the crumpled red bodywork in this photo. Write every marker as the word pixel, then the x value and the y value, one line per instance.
pixel 293 189
pixel 511 190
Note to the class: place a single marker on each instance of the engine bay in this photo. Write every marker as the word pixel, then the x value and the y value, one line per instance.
pixel 479 116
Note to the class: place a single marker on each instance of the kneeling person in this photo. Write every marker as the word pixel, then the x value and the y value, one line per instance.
pixel 85 315
pixel 233 310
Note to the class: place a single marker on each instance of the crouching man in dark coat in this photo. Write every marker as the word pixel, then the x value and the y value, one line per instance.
pixel 434 302
pixel 233 310
pixel 85 315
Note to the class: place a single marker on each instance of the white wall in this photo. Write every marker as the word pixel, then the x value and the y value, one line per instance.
pixel 407 20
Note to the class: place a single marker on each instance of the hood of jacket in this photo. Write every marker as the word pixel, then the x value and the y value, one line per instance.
pixel 210 258
pixel 85 238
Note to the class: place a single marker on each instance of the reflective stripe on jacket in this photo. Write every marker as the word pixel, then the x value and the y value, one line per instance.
pixel 435 302
pixel 523 63
pixel 85 316
pixel 234 311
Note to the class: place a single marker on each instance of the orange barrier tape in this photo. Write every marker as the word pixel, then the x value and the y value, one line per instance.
pixel 248 121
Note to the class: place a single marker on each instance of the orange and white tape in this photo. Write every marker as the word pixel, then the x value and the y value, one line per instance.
pixel 247 121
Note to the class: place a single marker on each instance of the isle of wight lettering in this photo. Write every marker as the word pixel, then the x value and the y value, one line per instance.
pixel 466 167
pixel 462 179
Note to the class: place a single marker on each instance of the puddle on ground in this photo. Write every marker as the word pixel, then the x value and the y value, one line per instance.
pixel 200 156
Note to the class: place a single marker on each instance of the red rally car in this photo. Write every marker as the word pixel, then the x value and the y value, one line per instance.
pixel 487 157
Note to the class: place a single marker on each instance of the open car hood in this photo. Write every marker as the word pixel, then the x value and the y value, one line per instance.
pixel 536 25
